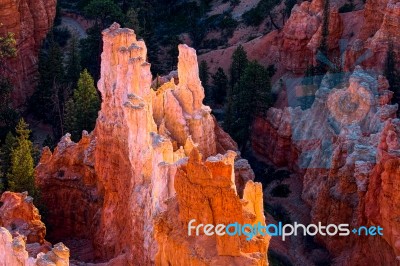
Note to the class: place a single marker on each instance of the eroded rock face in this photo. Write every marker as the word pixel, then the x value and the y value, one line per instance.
pixel 206 192
pixel 302 34
pixel 29 21
pixel 346 146
pixel 120 177
pixel 13 252
pixel 22 234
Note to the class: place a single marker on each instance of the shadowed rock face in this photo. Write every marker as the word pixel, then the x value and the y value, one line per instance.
pixel 29 21
pixel 348 160
pixel 113 184
pixel 22 234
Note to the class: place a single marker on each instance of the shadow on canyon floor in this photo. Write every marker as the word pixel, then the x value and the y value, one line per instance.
pixel 283 203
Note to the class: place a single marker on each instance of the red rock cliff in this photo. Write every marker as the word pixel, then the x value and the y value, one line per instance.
pixel 29 21
pixel 346 147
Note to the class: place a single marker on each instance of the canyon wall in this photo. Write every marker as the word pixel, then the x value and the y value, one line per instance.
pixel 346 148
pixel 117 184
pixel 29 21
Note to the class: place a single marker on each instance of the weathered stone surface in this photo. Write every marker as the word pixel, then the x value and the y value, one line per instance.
pixel 346 147
pixel 30 22
pixel 22 234
pixel 121 177
pixel 20 216
pixel 13 253
pixel 206 192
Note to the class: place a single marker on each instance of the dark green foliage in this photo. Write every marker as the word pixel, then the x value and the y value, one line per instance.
pixel 278 212
pixel 43 101
pixel 204 76
pixel 289 4
pixel 57 19
pixel 256 15
pixel 204 73
pixel 61 36
pixel 251 97
pixel 73 63
pixel 271 70
pixel 239 63
pixel 81 109
pixel 219 86
pixel 7 46
pixel 20 176
pixel 5 158
pixel 132 21
pixel 8 116
pixel 104 12
pixel 90 51
pixel 49 142
pixel 276 259
pixel 281 191
pixel 348 7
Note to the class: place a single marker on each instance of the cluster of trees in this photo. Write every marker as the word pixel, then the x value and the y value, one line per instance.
pixel 247 94
pixel 63 89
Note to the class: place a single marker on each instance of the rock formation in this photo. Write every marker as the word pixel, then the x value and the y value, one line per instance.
pixel 29 21
pixel 22 234
pixel 302 34
pixel 346 147
pixel 206 192
pixel 113 186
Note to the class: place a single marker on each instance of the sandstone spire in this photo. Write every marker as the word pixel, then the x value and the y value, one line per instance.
pixel 121 177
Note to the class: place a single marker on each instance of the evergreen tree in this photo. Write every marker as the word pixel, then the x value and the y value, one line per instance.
pixel 8 115
pixel 5 158
pixel 103 12
pixel 220 85
pixel 21 172
pixel 252 98
pixel 51 75
pixel 204 76
pixel 90 51
pixel 73 66
pixel 132 21
pixel 7 47
pixel 239 63
pixel 81 110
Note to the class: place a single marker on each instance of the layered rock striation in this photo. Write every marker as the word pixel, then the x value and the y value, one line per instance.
pixel 113 186
pixel 29 21
pixel 346 148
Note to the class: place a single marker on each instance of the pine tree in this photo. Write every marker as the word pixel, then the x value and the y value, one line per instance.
pixel 220 85
pixel 21 172
pixel 82 108
pixel 239 63
pixel 51 76
pixel 73 66
pixel 204 77
pixel 5 158
pixel 252 99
